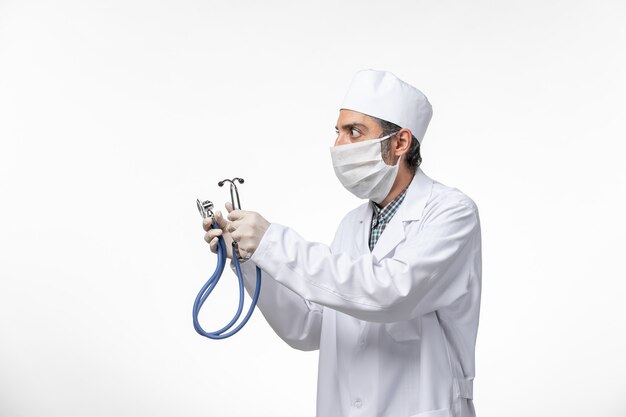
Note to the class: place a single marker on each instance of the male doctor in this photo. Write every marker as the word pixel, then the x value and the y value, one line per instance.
pixel 393 303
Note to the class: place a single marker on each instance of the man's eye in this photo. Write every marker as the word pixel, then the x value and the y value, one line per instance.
pixel 355 133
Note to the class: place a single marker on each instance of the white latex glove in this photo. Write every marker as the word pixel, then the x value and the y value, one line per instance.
pixel 247 229
pixel 212 234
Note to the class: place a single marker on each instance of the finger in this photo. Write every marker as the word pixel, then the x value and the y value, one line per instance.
pixel 221 221
pixel 244 254
pixel 215 233
pixel 235 225
pixel 206 223
pixel 213 245
pixel 237 215
pixel 229 206
pixel 211 234
pixel 238 230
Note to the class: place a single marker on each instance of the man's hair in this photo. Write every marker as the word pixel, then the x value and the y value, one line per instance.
pixel 413 157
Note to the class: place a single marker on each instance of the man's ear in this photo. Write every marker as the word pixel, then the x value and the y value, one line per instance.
pixel 403 142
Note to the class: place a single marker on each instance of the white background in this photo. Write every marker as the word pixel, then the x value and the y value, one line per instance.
pixel 116 115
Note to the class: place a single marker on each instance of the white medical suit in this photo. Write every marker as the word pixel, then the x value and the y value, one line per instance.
pixel 395 327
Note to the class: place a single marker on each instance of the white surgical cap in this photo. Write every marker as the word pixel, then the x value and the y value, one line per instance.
pixel 383 95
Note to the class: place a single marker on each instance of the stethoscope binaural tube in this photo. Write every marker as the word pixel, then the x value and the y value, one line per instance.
pixel 205 210
pixel 234 193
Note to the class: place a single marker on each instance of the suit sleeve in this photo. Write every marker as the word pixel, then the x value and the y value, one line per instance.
pixel 294 319
pixel 430 270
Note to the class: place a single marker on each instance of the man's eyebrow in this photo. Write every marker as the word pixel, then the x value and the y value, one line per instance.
pixel 351 125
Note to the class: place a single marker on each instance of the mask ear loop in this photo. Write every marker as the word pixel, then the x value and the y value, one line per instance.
pixel 381 140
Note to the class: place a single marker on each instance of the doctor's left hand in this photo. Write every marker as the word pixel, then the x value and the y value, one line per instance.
pixel 212 234
pixel 247 229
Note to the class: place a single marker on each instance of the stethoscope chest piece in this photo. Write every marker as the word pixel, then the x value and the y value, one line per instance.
pixel 205 208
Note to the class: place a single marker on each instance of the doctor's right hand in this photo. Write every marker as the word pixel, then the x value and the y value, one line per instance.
pixel 212 234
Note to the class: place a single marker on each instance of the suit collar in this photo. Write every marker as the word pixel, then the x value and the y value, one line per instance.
pixel 417 196
pixel 411 209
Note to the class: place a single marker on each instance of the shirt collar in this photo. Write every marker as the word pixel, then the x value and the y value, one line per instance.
pixel 417 195
pixel 391 208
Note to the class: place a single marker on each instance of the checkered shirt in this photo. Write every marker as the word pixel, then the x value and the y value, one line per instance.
pixel 381 217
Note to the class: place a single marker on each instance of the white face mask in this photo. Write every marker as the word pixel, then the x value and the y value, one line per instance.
pixel 361 169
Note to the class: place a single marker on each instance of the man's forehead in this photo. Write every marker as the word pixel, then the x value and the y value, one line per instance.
pixel 354 118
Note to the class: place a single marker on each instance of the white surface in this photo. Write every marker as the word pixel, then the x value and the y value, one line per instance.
pixel 115 116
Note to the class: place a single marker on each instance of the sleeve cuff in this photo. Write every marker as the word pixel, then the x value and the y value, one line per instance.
pixel 264 250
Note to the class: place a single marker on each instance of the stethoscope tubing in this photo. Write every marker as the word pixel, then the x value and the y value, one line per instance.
pixel 208 287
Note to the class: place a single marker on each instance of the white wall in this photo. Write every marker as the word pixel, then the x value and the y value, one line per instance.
pixel 116 115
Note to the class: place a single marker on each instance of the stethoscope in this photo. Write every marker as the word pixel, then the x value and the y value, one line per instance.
pixel 206 210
